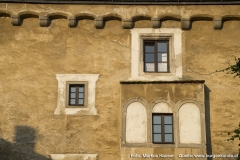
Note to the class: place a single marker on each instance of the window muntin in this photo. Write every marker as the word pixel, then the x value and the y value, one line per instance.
pixel 156 56
pixel 76 94
pixel 162 128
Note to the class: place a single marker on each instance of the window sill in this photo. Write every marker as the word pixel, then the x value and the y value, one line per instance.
pixel 74 156
pixel 149 145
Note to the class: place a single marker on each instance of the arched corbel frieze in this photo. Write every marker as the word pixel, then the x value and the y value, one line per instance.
pixel 16 20
pixel 44 21
pixel 72 22
pixel 156 22
pixel 141 17
pixel 28 14
pixel 230 17
pixel 200 17
pixel 127 23
pixel 112 16
pixel 185 23
pixel 170 16
pixel 58 15
pixel 98 22
pixel 4 13
pixel 85 16
pixel 197 17
pixel 217 23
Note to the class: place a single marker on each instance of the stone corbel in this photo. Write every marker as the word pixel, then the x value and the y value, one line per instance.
pixel 155 22
pixel 44 21
pixel 98 22
pixel 16 20
pixel 185 23
pixel 127 24
pixel 72 21
pixel 217 23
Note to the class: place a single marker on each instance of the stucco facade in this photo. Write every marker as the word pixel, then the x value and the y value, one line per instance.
pixel 41 42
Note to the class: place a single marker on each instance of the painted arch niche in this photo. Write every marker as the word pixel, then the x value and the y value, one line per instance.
pixel 162 107
pixel 189 124
pixel 136 123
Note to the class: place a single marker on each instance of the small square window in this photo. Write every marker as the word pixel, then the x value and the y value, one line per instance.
pixel 162 128
pixel 77 94
pixel 156 56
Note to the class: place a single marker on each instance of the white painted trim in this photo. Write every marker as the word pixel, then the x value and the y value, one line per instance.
pixel 175 37
pixel 62 95
pixel 74 156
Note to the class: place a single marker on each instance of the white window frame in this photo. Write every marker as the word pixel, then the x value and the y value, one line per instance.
pixel 173 35
pixel 66 79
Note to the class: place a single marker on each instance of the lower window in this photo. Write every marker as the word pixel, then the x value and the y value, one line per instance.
pixel 162 128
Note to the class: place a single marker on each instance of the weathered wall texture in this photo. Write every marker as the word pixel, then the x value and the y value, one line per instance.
pixel 31 56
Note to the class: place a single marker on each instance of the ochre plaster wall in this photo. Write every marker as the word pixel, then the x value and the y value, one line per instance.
pixel 31 56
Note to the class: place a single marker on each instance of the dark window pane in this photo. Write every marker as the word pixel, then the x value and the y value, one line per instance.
pixel 80 101
pixel 149 48
pixel 157 138
pixel 72 101
pixel 157 129
pixel 162 57
pixel 149 57
pixel 168 138
pixel 162 47
pixel 167 119
pixel 168 128
pixel 81 89
pixel 80 95
pixel 156 119
pixel 73 95
pixel 73 89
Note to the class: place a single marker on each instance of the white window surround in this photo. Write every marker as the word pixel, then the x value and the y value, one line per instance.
pixel 62 94
pixel 74 156
pixel 174 35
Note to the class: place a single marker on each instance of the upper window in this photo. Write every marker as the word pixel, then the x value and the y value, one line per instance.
pixel 156 56
pixel 162 128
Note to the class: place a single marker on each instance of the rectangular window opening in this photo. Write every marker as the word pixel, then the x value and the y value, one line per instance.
pixel 76 95
pixel 162 128
pixel 156 56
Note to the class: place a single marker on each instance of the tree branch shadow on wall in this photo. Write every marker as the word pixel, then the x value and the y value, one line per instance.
pixel 23 146
pixel 207 121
